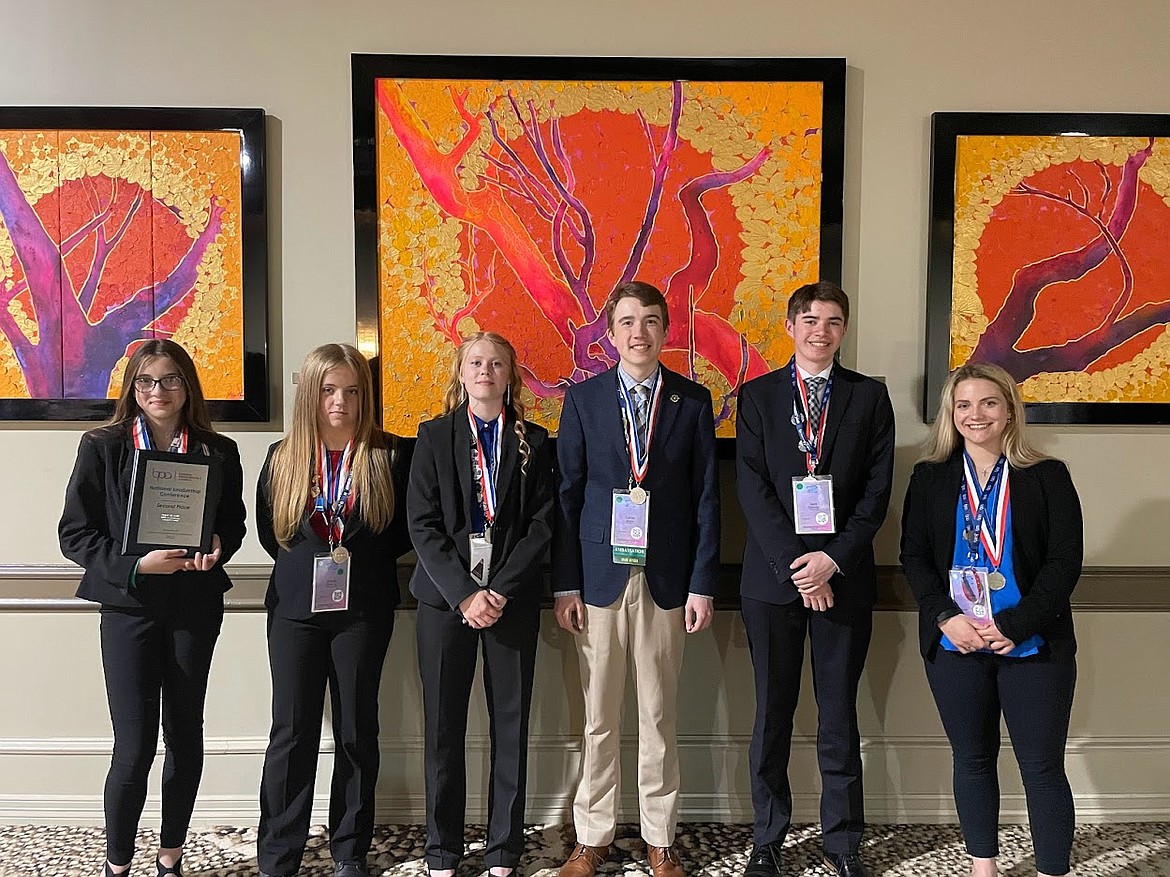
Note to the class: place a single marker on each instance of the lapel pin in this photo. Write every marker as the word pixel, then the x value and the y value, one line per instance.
pixel 674 397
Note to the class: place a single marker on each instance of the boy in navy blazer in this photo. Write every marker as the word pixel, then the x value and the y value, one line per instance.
pixel 638 438
pixel 811 426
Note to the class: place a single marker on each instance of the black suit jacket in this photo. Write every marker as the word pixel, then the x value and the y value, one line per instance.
pixel 439 506
pixel 1047 550
pixel 683 481
pixel 858 453
pixel 94 518
pixel 373 570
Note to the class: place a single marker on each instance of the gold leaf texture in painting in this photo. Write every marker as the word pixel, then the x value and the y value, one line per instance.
pixel 987 168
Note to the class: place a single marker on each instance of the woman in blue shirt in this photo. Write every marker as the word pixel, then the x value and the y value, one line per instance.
pixel 479 507
pixel 990 522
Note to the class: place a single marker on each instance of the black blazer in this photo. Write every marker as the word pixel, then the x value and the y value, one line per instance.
pixel 1047 550
pixel 94 518
pixel 439 507
pixel 373 569
pixel 683 480
pixel 858 453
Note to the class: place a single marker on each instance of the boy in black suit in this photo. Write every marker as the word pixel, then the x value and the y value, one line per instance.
pixel 814 461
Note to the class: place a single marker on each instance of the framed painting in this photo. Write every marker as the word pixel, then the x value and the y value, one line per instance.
pixel 1048 257
pixel 119 225
pixel 512 194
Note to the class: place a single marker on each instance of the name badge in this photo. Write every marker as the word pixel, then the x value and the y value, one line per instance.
pixel 630 527
pixel 812 501
pixel 970 592
pixel 480 558
pixel 330 583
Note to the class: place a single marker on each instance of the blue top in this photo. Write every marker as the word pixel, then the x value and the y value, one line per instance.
pixel 1007 596
pixel 487 439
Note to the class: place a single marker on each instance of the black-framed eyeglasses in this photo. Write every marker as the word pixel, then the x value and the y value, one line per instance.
pixel 145 383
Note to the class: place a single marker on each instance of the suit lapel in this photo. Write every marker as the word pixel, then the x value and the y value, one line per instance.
pixel 461 458
pixel 669 403
pixel 509 451
pixel 838 402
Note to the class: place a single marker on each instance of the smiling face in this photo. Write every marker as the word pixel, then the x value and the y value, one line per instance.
pixel 162 407
pixel 816 335
pixel 485 373
pixel 981 414
pixel 340 403
pixel 638 333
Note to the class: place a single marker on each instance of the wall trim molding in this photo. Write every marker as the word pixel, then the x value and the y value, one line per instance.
pixel 50 588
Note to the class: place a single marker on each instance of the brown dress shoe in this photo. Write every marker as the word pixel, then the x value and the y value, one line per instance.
pixel 583 861
pixel 664 862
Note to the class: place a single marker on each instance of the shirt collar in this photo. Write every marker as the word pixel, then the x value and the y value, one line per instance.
pixel 804 376
pixel 629 382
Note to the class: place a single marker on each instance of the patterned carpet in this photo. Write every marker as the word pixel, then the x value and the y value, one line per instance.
pixel 710 849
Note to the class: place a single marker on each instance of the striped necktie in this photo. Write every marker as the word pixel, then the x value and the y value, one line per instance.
pixel 642 413
pixel 814 386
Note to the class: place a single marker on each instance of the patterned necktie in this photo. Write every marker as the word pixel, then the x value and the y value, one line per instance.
pixel 642 413
pixel 814 386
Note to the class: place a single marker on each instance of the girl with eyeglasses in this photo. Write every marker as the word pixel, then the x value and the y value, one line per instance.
pixel 160 612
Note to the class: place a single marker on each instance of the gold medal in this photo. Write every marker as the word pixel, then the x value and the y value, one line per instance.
pixel 638 495
pixel 340 554
pixel 996 581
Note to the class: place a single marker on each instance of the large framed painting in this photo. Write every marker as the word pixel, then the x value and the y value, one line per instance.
pixel 513 194
pixel 119 225
pixel 1049 257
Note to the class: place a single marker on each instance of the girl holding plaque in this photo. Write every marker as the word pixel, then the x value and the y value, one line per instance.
pixel 328 508
pixel 161 612
pixel 480 512
pixel 992 545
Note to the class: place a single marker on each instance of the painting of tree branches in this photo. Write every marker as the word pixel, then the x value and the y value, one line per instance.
pixel 110 236
pixel 514 194
pixel 1058 266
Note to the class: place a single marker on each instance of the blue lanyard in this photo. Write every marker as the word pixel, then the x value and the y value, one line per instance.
pixel 972 525
pixel 809 436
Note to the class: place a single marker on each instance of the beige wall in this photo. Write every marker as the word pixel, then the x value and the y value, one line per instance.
pixel 906 59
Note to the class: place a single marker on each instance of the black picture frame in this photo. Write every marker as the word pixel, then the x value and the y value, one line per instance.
pixel 213 487
pixel 250 123
pixel 367 68
pixel 946 129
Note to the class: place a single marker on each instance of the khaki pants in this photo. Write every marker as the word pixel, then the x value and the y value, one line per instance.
pixel 632 628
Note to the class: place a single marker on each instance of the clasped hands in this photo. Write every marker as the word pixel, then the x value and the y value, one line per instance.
pixel 164 561
pixel 811 574
pixel 970 636
pixel 570 612
pixel 483 608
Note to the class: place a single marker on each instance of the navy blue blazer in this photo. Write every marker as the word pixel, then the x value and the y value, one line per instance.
pixel 858 453
pixel 683 481
pixel 1047 550
pixel 439 507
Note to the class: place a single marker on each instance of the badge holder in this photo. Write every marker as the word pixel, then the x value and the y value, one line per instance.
pixel 630 526
pixel 330 582
pixel 480 557
pixel 969 590
pixel 812 503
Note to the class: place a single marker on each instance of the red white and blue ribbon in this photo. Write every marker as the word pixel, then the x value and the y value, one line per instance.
pixel 639 455
pixel 334 499
pixel 143 441
pixel 984 524
pixel 810 436
pixel 486 477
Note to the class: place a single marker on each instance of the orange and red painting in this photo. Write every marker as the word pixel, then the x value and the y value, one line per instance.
pixel 111 237
pixel 516 206
pixel 1061 273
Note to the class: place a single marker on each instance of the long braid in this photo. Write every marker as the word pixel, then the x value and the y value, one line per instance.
pixel 517 406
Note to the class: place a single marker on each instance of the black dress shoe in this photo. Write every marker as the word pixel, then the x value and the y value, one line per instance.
pixel 848 865
pixel 764 861
pixel 351 869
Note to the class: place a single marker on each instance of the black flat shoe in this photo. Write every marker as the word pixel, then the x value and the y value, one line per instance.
pixel 764 861
pixel 848 865
pixel 176 869
pixel 107 871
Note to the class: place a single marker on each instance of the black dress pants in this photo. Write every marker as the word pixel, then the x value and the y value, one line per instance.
pixel 840 641
pixel 344 650
pixel 447 655
pixel 1034 695
pixel 156 660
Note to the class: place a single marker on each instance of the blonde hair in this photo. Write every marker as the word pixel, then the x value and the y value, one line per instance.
pixel 290 473
pixel 944 436
pixel 456 394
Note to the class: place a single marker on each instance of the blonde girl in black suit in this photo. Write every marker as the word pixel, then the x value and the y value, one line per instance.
pixel 479 468
pixel 331 486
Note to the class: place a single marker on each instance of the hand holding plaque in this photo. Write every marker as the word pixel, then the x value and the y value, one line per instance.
pixel 172 504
